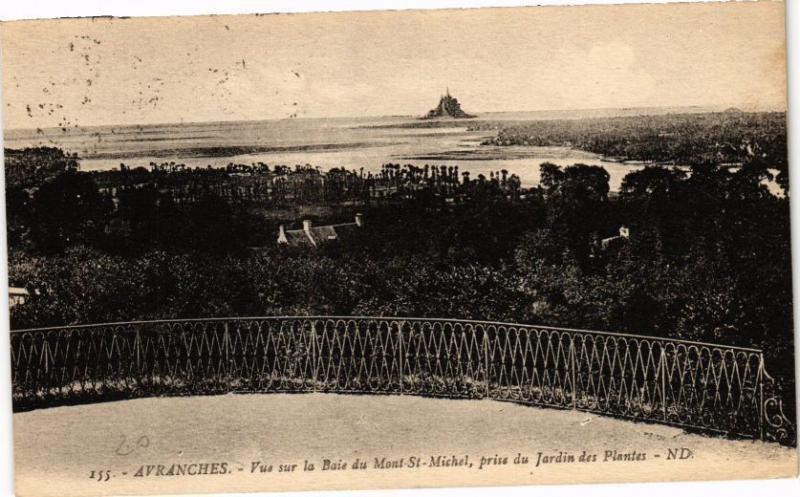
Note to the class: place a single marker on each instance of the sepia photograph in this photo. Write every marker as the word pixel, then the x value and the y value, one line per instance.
pixel 398 249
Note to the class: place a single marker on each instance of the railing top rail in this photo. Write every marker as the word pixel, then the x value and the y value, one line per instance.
pixel 394 319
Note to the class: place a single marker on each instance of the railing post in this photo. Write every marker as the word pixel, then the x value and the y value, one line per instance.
pixel 314 356
pixel 663 361
pixel 761 395
pixel 486 358
pixel 226 341
pixel 227 353
pixel 137 346
pixel 43 380
pixel 573 370
pixel 401 352
pixel 46 346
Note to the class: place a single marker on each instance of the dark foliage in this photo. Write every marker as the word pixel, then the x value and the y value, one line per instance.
pixel 32 166
pixel 721 137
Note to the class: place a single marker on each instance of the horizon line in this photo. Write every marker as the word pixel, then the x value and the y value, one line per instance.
pixel 415 116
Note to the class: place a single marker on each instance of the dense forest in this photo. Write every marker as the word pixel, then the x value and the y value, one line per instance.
pixel 706 256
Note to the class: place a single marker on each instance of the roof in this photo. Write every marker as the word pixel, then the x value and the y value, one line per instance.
pixel 346 230
pixel 605 242
pixel 323 233
pixel 317 235
pixel 296 238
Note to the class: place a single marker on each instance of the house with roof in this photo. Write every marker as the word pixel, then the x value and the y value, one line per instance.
pixel 17 296
pixel 624 235
pixel 314 236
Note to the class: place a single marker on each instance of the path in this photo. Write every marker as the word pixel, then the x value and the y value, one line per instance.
pixel 56 448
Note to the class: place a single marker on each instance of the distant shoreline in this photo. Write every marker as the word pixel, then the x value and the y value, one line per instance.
pixel 216 152
pixel 529 115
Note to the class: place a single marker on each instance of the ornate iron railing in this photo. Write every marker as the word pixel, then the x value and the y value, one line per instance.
pixel 694 385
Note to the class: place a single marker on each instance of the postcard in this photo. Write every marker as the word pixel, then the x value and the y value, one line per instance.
pixel 393 249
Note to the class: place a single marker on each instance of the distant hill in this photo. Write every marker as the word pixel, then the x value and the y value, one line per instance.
pixel 448 107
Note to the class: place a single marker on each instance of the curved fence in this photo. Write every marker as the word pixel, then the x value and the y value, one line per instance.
pixel 702 386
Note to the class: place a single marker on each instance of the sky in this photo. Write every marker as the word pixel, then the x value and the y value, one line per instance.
pixel 81 72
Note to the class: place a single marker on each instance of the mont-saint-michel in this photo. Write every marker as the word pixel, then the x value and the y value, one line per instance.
pixel 448 107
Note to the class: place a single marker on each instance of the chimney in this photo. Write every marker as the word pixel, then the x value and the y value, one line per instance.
pixel 307 227
pixel 359 220
pixel 282 235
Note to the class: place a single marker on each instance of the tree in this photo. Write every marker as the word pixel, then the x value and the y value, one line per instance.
pixel 30 167
pixel 18 215
pixel 68 210
pixel 577 204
